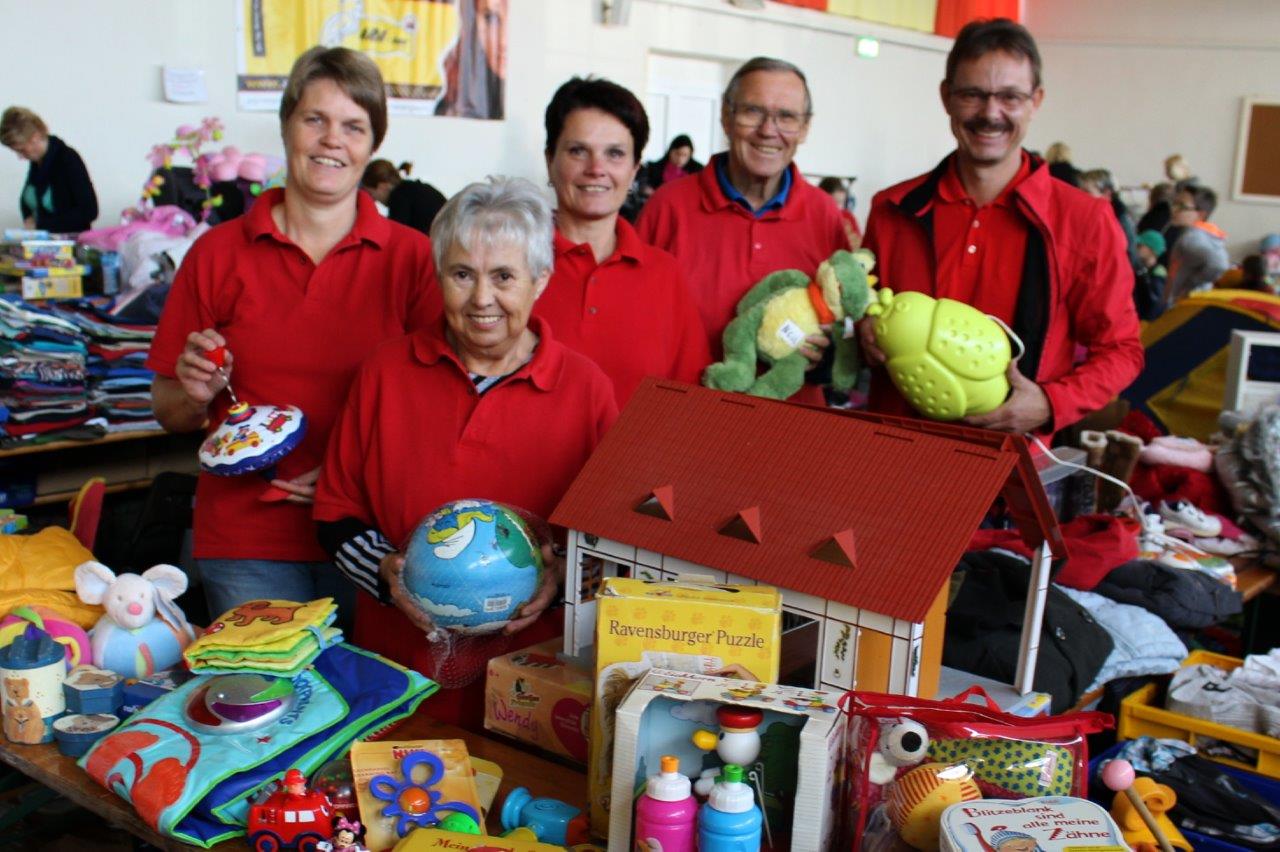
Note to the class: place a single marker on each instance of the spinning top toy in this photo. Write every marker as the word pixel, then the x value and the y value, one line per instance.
pixel 253 437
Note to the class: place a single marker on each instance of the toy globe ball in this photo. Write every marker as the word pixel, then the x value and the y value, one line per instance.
pixel 916 800
pixel 472 564
pixel 948 359
pixel 252 438
pixel 63 630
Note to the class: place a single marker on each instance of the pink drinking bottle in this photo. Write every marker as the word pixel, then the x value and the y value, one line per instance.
pixel 666 813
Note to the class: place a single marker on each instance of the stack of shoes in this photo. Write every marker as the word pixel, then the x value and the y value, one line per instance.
pixel 1155 543
pixel 1182 515
pixel 266 637
pixel 1211 533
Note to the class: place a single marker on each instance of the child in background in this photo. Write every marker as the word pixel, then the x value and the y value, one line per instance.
pixel 1253 274
pixel 1270 248
pixel 1149 275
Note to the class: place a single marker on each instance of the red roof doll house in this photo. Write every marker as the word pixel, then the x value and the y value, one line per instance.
pixel 859 519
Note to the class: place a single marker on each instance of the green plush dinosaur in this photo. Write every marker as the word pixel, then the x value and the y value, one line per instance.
pixel 776 315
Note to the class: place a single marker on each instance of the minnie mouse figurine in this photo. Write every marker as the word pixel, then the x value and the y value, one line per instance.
pixel 346 838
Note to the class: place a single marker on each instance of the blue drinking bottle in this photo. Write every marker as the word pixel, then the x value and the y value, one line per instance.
pixel 730 821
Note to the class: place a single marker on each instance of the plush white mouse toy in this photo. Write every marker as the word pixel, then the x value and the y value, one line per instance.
pixel 143 630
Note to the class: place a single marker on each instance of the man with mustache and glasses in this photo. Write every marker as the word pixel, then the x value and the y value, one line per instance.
pixel 989 227
pixel 750 212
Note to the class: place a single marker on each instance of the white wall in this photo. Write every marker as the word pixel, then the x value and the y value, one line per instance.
pixel 1128 83
pixel 97 85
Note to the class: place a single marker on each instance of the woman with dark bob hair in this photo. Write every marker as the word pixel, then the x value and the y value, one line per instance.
pixel 298 290
pixel 619 301
pixel 676 163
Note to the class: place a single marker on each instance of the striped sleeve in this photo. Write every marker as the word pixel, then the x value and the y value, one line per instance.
pixel 357 549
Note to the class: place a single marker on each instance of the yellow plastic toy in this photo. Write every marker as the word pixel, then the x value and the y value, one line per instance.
pixel 948 359
pixel 1158 798
pixel 916 800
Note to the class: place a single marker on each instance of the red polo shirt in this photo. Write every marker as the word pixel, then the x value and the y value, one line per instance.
pixel 414 435
pixel 724 249
pixel 632 313
pixel 298 331
pixel 980 250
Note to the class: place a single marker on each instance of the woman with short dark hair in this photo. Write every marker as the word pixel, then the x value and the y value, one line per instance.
pixel 619 301
pixel 298 290
pixel 676 163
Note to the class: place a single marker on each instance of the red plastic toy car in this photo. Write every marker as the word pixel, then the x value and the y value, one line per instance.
pixel 290 818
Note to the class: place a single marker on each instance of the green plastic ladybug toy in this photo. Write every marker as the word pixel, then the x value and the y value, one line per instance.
pixel 948 359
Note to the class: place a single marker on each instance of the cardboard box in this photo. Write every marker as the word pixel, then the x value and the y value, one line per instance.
pixel 432 839
pixel 537 698
pixel 688 626
pixel 372 759
pixel 46 250
pixel 53 287
pixel 802 742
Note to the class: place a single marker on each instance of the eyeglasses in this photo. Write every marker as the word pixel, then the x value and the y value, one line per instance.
pixel 1179 205
pixel 750 116
pixel 973 98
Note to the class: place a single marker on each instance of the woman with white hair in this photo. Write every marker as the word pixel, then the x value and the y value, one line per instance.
pixel 485 404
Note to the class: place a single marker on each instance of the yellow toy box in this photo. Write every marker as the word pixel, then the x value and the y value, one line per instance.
pixel 699 627
pixel 390 776
pixel 538 698
pixel 431 839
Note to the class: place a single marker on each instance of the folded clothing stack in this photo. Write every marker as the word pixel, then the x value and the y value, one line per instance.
pixel 1247 697
pixel 119 383
pixel 266 637
pixel 42 371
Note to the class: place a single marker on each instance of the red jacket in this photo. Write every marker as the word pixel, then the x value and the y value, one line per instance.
pixel 1077 288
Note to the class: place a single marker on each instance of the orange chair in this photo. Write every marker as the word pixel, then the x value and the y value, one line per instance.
pixel 85 511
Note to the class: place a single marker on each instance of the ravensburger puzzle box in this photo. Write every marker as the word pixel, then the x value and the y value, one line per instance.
pixel 690 626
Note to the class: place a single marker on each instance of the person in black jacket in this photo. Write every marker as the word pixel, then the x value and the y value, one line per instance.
pixel 1058 156
pixel 677 162
pixel 58 195
pixel 409 202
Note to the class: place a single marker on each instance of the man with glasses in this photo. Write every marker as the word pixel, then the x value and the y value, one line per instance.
pixel 989 227
pixel 750 212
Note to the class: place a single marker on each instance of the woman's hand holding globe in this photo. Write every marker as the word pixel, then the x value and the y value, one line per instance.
pixel 391 569
pixel 552 577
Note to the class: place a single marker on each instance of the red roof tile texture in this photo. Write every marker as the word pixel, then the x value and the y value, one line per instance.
pixel 802 475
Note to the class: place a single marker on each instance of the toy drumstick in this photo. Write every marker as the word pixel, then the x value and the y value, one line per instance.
pixel 218 356
pixel 1118 775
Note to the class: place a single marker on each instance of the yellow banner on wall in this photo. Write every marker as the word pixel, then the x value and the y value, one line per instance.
pixel 910 14
pixel 442 57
